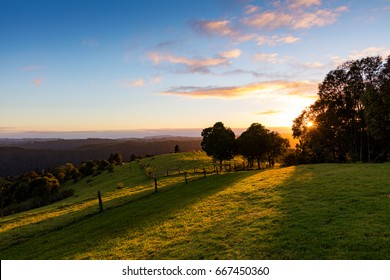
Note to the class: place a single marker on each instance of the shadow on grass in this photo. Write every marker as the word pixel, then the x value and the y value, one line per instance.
pixel 333 211
pixel 81 235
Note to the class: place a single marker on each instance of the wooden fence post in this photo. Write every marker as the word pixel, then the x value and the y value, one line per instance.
pixel 185 177
pixel 100 202
pixel 204 172
pixel 155 185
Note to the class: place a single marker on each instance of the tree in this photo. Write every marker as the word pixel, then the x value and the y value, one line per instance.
pixel 218 142
pixel 377 112
pixel 116 159
pixel 177 149
pixel 253 143
pixel 351 114
pixel 276 146
pixel 258 143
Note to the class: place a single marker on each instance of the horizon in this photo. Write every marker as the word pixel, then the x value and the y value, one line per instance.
pixel 120 134
pixel 92 66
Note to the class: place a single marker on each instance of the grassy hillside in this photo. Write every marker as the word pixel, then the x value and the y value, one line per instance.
pixel 325 211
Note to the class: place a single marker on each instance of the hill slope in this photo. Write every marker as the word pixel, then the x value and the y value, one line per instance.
pixel 325 211
pixel 19 156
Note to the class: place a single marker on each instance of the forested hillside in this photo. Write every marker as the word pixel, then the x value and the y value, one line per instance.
pixel 19 156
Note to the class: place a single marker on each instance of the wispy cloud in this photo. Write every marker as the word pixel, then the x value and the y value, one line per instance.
pixel 30 68
pixel 217 27
pixel 295 4
pixel 312 65
pixel 275 40
pixel 140 82
pixel 7 128
pixel 371 51
pixel 222 28
pixel 231 54
pixel 300 15
pixel 269 112
pixel 300 88
pixel 250 9
pixel 156 80
pixel 126 83
pixel 89 42
pixel 38 81
pixel 359 54
pixel 192 64
pixel 269 58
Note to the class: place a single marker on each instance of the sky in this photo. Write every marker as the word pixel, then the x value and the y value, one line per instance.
pixel 146 65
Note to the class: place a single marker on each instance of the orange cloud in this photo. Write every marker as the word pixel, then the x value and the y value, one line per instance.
pixel 220 27
pixel 295 19
pixel 300 88
pixel 194 65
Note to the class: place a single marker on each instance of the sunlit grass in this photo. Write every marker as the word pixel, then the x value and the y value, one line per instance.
pixel 326 211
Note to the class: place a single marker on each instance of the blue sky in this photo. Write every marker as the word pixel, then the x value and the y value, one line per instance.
pixel 142 64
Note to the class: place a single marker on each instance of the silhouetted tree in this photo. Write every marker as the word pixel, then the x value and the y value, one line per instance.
pixel 218 142
pixel 177 149
pixel 351 115
pixel 277 146
pixel 253 143
pixel 258 143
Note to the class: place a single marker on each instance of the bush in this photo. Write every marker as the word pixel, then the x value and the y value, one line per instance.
pixel 291 158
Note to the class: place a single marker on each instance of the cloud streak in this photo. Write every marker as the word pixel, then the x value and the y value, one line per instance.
pixel 269 112
pixel 297 88
pixel 125 83
pixel 276 40
pixel 30 68
pixel 269 58
pixel 194 65
pixel 217 27
pixel 294 19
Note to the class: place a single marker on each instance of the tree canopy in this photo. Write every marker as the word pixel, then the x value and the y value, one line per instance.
pixel 258 143
pixel 218 142
pixel 350 120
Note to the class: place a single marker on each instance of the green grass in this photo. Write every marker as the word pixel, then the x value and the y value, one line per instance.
pixel 324 211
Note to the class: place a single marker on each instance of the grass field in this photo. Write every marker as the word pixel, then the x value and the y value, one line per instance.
pixel 324 211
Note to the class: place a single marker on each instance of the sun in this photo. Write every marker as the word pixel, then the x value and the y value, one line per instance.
pixel 310 124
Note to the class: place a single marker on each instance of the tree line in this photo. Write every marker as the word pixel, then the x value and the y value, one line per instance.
pixel 35 189
pixel 256 144
pixel 350 120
